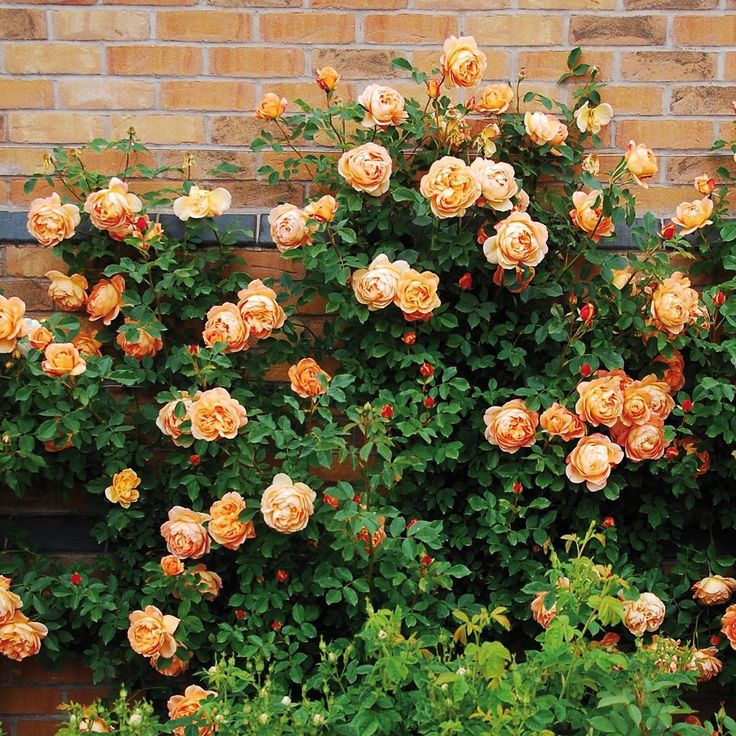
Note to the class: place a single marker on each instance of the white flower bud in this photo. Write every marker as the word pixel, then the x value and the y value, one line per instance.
pixel 263 718
pixel 286 700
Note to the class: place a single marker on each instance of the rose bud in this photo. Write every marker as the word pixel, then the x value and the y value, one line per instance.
pixel 330 500
pixel 585 370
pixel 75 578
pixel 466 281
pixel 142 223
pixel 587 312
pixel 409 338
pixel 482 235
pixel 426 369
pixel 433 88
pixel 239 614
pixel 411 523
pixel 276 625
pixel 356 498
pixel 193 350
pixel 705 184
pixel 668 231
pixel 195 459
pixel 387 412
pixel 429 402
pixel 427 560
pixel 282 576
pixel 714 590
pixel 686 405
pixel 470 102
pixel 609 522
pixel 715 640
pixel 517 487
pixel 672 452
pixel 327 78
pixel 719 298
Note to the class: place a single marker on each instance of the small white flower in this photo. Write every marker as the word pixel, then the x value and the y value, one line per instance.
pixel 263 718
pixel 461 671
pixel 318 719
pixel 286 700
pixel 135 720
pixel 382 634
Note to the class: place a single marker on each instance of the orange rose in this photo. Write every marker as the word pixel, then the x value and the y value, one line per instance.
pixel 185 534
pixel 543 128
pixel 561 422
pixel 201 203
pixel 289 227
pixel 644 441
pixel 177 667
pixel 143 346
pixel 690 446
pixel 601 401
pixel 497 183
pixel 451 186
pixel 184 706
pixel 586 214
pixel 641 163
pixel 462 64
pixel 373 541
pixel 327 78
pixel 226 324
pixel 366 168
pixel 216 415
pixel 21 638
pixel 714 590
pixel 170 419
pixel 85 342
pixel 416 293
pixel 105 299
pixel 592 460
pixel 519 241
pixel 260 310
pixel 593 118
pixel 286 505
pixel 62 359
pixel 93 725
pixel 674 373
pixel 225 526
pixel 674 304
pixel 38 335
pixel 124 488
pixel 728 625
pixel 172 565
pixel 322 210
pixel 9 602
pixel 67 292
pixel 485 140
pixel 11 322
pixel 210 583
pixel 542 615
pixel 495 99
pixel 511 426
pixel 646 613
pixel 660 401
pixel 693 215
pixel 271 106
pixel 112 208
pixel 637 405
pixel 384 106
pixel 706 663
pixel 308 379
pixel 376 286
pixel 705 184
pixel 151 632
pixel 50 221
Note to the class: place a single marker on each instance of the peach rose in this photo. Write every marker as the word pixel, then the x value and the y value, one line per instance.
pixel 593 118
pixel 184 706
pixel 376 286
pixel 225 526
pixel 645 441
pixel 416 294
pixel 637 405
pixel 201 203
pixel 226 324
pixel 143 346
pixel 210 583
pixel 728 625
pixel 11 322
pixel 543 128
pixel 384 106
pixel 511 426
pixel 693 215
pixel 561 422
pixel 485 140
pixel 177 667
pixel 289 227
pixel 124 488
pixel 641 163
pixel 690 446
pixel 453 130
pixel 674 304
pixel 50 221
pixel 327 78
pixel 495 99
pixel 169 421
pixel 171 565
pixel 307 378
pixel 93 725
pixel 497 183
pixel 542 615
pixel 112 208
pixel 322 210
pixel 38 335
pixel 704 184
pixel 674 373
pixel 586 214
pixel 216 415
pixel 260 310
pixel 366 168
pixel 451 186
pixel 9 602
pixel 462 64
pixel 85 342
pixel 714 590
pixel 660 401
pixel 105 299
pixel 591 461
pixel 286 506
pixel 519 241
pixel 601 401
pixel 185 534
pixel 67 292
pixel 271 106
pixel 151 632
pixel 21 638
pixel 646 613
pixel 706 662
pixel 62 359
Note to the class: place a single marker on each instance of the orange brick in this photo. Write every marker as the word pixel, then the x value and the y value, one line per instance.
pixel 629 30
pixel 409 28
pixel 727 131
pixel 15 161
pixel 205 160
pixel 257 62
pixel 26 93
pixel 460 5
pixel 177 61
pixel 662 200
pixel 42 727
pixel 51 58
pixel 22 24
pixel 666 66
pixel 203 25
pixel 259 194
pixel 3 128
pixel 363 4
pixel 684 169
pixel 730 68
pixel 87 695
pixel 106 93
pixel 31 262
pixel 352 63
pixel 32 670
pixel 54 127
pixel 702 100
pixel 210 95
pixel 28 700
pixel 161 128
pixel 236 130
pixel 100 24
pixel 638 100
pixel 568 4
pixel 257 3
pixel 705 30
pixel 308 27
pixel 670 4
pixel 665 133
pixel 525 30
pixel 178 3
pixel 549 65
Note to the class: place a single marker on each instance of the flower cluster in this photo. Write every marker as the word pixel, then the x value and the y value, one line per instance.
pixel 19 637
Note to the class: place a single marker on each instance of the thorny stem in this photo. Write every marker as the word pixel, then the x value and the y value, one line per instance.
pixel 287 139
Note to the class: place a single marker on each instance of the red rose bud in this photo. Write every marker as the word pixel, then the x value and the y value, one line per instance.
pixel 426 369
pixel 609 522
pixel 411 523
pixel 668 231
pixel 239 614
pixel 481 236
pixel 719 298
pixel 75 578
pixel 585 370
pixel 517 487
pixel 330 500
pixel 587 312
pixel 356 498
pixel 142 223
pixel 409 338
pixel 193 350
pixel 387 412
pixel 429 402
pixel 427 560
pixel 466 281
pixel 687 405
pixel 276 625
pixel 195 459
pixel 470 102
pixel 715 640
pixel 282 576
pixel 694 720
pixel 672 453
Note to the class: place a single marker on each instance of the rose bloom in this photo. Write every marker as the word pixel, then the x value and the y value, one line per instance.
pixel 693 215
pixel 646 613
pixel 185 534
pixel 95 725
pixel 660 401
pixel 105 299
pixel 225 526
pixel 416 294
pixel 521 202
pixel 586 214
pixel 151 632
pixel 145 344
pixel 271 106
pixel 497 183
pixel 462 64
pixel 183 706
pixel 601 401
pixel 327 78
pixel 85 342
pixel 690 446
pixel 286 506
pixel 641 163
pixel 112 208
pixel 67 292
pixel 38 335
pixel 177 667
pixel 623 277
pixel 170 424
pixel 542 615
pixel 543 128
pixel 216 415
pixel 706 662
pixel 591 461
pixel 704 184
pixel 210 583
pixel 376 286
pixel 50 221
pixel 561 422
pixel 674 304
pixel 728 625
pixel 495 99
pixel 11 322
pixel 20 637
pixel 384 106
pixel 202 203
pixel 366 168
pixel 62 359
pixel 645 441
pixel 518 241
pixel 375 540
pixel 593 118
pixel 226 324
pixel 307 378
pixel 289 227
pixel 9 602
pixel 714 590
pixel 322 210
pixel 637 405
pixel 511 426
pixel 450 186
pixel 674 373
pixel 260 310
pixel 171 565
pixel 124 488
